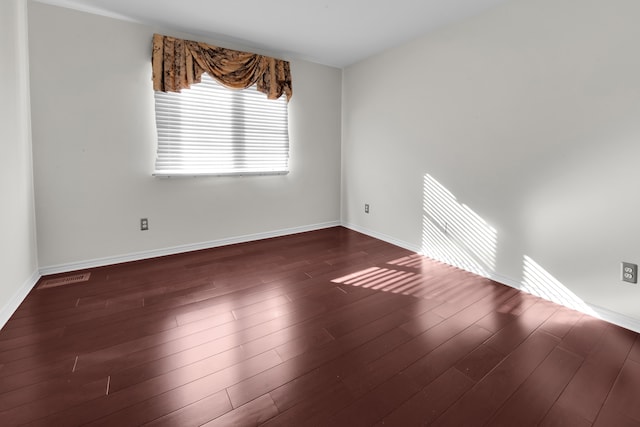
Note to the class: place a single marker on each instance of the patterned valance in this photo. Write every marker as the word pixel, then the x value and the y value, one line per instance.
pixel 177 64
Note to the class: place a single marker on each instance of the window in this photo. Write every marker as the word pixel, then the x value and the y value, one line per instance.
pixel 209 129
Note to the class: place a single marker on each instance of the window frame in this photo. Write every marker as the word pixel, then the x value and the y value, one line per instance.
pixel 251 128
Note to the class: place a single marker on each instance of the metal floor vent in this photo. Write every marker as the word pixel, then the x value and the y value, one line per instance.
pixel 60 281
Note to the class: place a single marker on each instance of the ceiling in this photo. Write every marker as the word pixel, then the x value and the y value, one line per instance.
pixel 330 32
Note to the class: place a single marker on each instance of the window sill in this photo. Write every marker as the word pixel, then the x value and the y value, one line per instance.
pixel 188 174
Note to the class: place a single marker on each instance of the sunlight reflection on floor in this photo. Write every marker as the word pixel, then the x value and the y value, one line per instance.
pixel 384 279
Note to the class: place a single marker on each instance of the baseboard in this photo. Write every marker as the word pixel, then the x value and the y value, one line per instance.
pixel 137 256
pixel 383 237
pixel 617 318
pixel 16 299
pixel 596 311
pixel 603 313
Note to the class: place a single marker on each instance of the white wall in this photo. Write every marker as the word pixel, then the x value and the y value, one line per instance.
pixel 519 124
pixel 94 148
pixel 529 116
pixel 18 262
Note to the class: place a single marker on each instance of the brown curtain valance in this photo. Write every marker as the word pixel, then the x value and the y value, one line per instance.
pixel 177 64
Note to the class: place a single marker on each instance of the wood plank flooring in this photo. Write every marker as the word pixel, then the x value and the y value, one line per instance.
pixel 330 327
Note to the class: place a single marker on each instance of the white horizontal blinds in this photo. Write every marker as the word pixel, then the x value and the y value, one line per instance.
pixel 212 130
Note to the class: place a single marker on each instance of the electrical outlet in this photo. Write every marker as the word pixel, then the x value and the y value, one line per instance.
pixel 144 224
pixel 629 272
pixel 366 208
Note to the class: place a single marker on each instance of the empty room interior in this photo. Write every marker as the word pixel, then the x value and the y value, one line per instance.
pixel 448 239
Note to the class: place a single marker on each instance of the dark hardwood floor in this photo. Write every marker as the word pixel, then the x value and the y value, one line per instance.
pixel 323 328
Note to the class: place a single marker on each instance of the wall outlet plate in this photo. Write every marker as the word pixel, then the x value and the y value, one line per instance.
pixel 629 272
pixel 366 208
pixel 144 224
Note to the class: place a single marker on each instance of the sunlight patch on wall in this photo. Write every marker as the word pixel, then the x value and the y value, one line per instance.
pixel 537 281
pixel 453 233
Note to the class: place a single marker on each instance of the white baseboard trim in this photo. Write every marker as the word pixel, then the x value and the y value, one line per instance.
pixel 383 237
pixel 601 312
pixel 16 299
pixel 6 312
pixel 616 318
pixel 100 262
